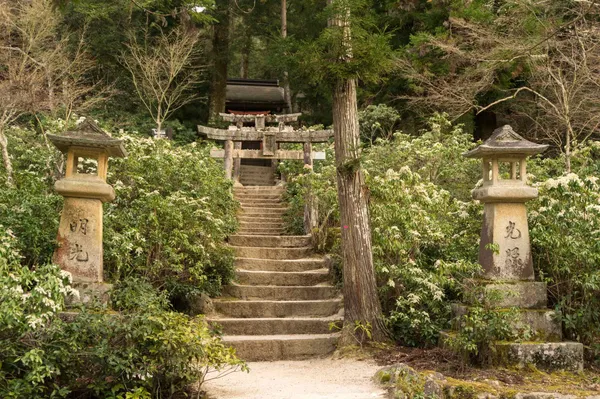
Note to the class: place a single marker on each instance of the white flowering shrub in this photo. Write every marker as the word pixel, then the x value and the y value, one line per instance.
pixel 565 234
pixel 424 244
pixel 168 223
pixel 172 212
pixel 425 238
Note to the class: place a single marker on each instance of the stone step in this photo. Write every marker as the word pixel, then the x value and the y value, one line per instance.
pixel 260 224
pixel 257 182
pixel 270 241
pixel 281 293
pixel 270 326
pixel 259 190
pixel 281 265
pixel 549 356
pixel 310 278
pixel 262 232
pixel 260 219
pixel 263 211
pixel 262 202
pixel 263 195
pixel 282 347
pixel 544 323
pixel 272 253
pixel 251 309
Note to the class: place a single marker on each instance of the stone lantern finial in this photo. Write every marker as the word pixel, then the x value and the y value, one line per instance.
pixel 80 230
pixel 505 251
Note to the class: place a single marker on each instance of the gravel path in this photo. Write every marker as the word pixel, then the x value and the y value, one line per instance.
pixel 309 379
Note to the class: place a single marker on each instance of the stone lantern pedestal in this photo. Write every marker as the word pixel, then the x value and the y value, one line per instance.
pixel 507 279
pixel 85 189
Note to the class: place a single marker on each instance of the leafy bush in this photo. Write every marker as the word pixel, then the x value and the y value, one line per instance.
pixel 143 352
pixel 424 244
pixel 424 236
pixel 565 233
pixel 171 216
pixel 169 221
pixel 378 122
pixel 32 209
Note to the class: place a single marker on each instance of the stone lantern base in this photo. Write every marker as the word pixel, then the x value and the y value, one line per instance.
pixel 545 351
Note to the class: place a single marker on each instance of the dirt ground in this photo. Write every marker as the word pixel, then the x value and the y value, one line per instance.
pixel 308 379
pixel 349 375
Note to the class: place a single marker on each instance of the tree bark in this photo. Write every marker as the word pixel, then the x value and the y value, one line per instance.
pixel 220 56
pixel 6 158
pixel 361 300
pixel 286 81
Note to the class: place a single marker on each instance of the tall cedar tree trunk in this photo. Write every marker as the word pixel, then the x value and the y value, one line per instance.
pixel 220 56
pixel 361 301
pixel 286 80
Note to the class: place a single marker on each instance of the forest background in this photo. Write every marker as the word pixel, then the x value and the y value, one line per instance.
pixel 434 77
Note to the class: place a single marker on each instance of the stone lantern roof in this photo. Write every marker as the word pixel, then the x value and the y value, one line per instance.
pixel 504 141
pixel 89 135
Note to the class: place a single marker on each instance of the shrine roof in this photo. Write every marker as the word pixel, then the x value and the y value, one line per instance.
pixel 503 141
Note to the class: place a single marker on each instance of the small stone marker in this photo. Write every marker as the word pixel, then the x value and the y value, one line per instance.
pixel 505 250
pixel 80 229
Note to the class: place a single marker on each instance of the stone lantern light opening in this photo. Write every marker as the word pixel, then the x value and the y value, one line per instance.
pixel 84 189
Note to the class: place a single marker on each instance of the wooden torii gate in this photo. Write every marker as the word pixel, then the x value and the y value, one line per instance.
pixel 269 136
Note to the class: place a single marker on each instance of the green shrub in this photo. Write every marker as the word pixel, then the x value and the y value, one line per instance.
pixel 145 351
pixel 424 237
pixel 424 244
pixel 565 234
pixel 32 209
pixel 173 211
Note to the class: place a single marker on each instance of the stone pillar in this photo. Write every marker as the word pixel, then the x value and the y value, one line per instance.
pixel 505 249
pixel 228 159
pixel 79 236
pixel 237 164
pixel 308 161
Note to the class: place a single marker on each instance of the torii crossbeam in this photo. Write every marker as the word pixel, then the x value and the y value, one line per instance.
pixel 270 136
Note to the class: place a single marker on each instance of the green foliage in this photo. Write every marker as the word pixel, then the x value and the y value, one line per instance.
pixel 31 208
pixel 481 326
pixel 142 352
pixel 435 154
pixel 378 121
pixel 172 212
pixel 424 238
pixel 565 232
pixel 424 241
pixel 335 54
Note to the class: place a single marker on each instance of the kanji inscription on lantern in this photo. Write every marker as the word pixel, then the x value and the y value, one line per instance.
pixel 80 226
pixel 513 259
pixel 77 253
pixel 512 232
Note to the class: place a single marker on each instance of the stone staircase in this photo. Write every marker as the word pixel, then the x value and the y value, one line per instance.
pixel 281 304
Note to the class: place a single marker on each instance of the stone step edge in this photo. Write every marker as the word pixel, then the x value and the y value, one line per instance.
pixel 320 271
pixel 282 337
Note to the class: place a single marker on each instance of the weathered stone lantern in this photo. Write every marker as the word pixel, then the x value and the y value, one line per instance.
pixel 505 250
pixel 85 189
pixel 505 256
